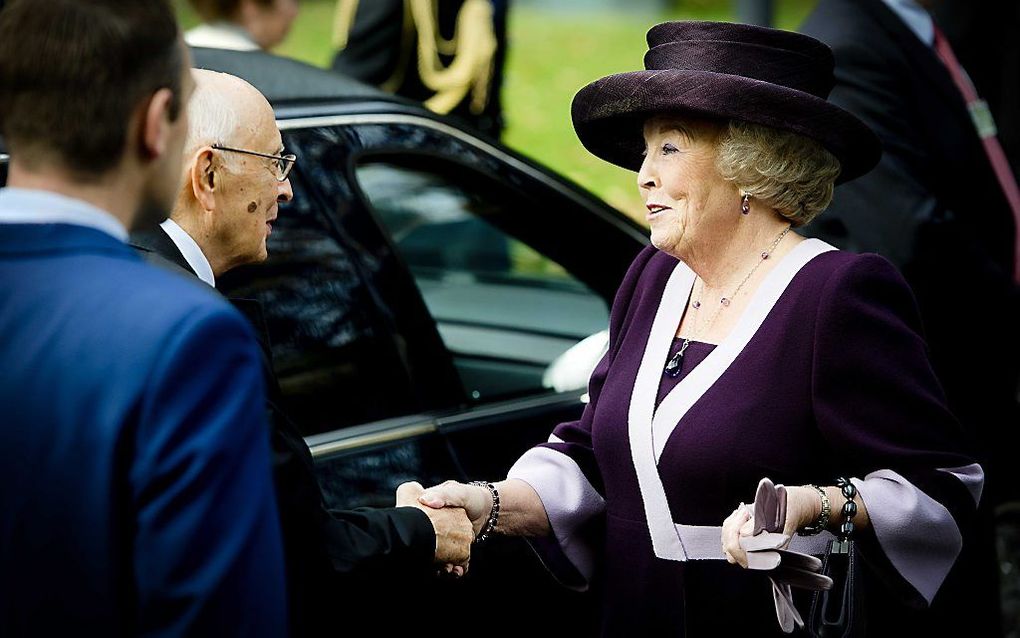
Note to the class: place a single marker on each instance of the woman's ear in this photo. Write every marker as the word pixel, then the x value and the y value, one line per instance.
pixel 204 177
pixel 156 124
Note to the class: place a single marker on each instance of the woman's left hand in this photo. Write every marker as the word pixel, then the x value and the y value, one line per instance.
pixel 738 524
pixel 802 508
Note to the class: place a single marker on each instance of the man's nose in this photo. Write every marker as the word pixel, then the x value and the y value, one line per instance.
pixel 285 192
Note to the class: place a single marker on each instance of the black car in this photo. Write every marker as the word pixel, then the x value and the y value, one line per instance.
pixel 435 303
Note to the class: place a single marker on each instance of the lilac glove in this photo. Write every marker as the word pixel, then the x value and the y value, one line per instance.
pixel 767 550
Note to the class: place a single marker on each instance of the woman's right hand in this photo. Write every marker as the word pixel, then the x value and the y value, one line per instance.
pixel 475 499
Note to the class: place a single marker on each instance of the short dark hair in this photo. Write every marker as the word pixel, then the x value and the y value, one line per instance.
pixel 72 72
pixel 214 10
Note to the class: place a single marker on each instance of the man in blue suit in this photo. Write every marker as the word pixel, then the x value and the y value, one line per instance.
pixel 135 493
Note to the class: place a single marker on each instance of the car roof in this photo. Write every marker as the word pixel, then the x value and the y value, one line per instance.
pixel 288 82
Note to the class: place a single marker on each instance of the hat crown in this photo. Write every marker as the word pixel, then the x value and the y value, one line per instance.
pixel 778 57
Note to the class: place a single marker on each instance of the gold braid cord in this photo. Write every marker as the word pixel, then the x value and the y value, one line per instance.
pixel 473 49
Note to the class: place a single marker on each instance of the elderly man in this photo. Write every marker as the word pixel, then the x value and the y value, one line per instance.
pixel 134 469
pixel 235 177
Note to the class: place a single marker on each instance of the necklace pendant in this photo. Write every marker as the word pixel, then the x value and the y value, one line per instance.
pixel 672 368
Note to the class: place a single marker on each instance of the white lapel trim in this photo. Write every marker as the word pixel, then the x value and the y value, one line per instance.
pixel 649 429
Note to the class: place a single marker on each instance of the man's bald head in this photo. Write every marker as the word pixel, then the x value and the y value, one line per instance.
pixel 224 110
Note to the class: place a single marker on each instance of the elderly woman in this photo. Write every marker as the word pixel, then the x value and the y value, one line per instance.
pixel 242 25
pixel 739 350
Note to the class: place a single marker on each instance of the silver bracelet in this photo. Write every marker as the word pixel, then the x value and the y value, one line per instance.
pixel 490 525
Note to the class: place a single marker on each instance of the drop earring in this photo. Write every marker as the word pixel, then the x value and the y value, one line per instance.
pixel 745 204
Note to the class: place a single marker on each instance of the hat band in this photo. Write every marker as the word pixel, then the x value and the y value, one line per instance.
pixel 791 69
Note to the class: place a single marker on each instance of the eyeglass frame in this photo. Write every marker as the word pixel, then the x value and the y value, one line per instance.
pixel 289 158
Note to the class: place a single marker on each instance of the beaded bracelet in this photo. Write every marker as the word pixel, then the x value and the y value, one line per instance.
pixel 849 510
pixel 823 517
pixel 490 525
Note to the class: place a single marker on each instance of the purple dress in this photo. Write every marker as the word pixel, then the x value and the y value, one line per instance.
pixel 825 374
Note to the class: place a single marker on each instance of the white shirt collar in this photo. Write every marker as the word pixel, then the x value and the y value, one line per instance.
pixel 192 252
pixel 220 35
pixel 915 17
pixel 35 206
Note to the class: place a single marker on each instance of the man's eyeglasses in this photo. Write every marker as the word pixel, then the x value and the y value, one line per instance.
pixel 282 164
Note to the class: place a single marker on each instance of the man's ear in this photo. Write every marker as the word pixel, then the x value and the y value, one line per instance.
pixel 156 124
pixel 205 179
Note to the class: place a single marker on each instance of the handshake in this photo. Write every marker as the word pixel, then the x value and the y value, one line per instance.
pixel 458 511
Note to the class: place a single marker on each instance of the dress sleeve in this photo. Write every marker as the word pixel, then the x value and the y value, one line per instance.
pixel 564 471
pixel 881 410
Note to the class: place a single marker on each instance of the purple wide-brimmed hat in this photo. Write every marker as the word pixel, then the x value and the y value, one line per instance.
pixel 730 71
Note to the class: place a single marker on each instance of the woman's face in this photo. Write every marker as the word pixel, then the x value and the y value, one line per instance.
pixel 690 206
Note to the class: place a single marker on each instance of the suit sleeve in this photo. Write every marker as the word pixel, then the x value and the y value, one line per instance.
pixel 399 536
pixel 208 554
pixel 881 410
pixel 564 471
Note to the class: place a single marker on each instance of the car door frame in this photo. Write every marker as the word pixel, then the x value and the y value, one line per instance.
pixel 459 423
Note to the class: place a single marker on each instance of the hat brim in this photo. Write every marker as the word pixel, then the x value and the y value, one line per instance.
pixel 609 114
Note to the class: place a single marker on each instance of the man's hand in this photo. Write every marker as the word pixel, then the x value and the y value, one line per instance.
pixel 454 532
pixel 474 499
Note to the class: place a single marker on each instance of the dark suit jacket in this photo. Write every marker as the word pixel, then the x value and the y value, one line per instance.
pixel 336 560
pixel 933 206
pixel 133 457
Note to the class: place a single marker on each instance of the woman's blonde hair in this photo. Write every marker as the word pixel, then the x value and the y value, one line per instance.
pixel 789 172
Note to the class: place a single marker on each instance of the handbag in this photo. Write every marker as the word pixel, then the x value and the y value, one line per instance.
pixel 838 612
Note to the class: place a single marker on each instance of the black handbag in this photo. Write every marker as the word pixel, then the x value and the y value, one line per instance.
pixel 838 612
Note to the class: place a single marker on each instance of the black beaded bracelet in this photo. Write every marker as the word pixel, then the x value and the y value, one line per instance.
pixel 490 525
pixel 849 509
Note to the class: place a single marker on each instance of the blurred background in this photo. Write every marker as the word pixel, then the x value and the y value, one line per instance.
pixel 554 48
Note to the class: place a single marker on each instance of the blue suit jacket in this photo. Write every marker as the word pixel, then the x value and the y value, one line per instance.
pixel 135 492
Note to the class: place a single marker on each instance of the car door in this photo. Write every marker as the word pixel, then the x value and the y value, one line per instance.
pixel 485 284
pixel 499 273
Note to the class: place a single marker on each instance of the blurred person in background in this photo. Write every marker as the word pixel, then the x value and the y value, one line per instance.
pixel 235 177
pixel 134 460
pixel 983 38
pixel 242 25
pixel 944 206
pixel 741 350
pixel 447 54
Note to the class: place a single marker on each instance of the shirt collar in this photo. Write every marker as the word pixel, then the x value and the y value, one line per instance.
pixel 36 206
pixel 915 17
pixel 190 249
pixel 221 35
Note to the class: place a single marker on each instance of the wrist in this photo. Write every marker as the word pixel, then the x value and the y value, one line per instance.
pixel 485 524
pixel 817 516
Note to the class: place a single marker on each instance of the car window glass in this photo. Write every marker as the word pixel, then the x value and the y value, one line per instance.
pixel 514 321
pixel 338 356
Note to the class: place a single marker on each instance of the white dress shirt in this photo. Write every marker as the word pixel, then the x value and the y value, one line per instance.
pixel 32 206
pixel 916 18
pixel 220 35
pixel 192 252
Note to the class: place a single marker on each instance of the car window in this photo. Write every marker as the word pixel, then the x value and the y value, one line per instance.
pixel 341 347
pixel 514 321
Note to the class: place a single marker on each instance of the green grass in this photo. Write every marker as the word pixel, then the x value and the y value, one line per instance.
pixel 551 55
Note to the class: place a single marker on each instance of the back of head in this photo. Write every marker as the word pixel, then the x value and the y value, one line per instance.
pixel 73 71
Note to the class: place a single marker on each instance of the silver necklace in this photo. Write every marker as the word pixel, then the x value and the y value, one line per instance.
pixel 672 368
